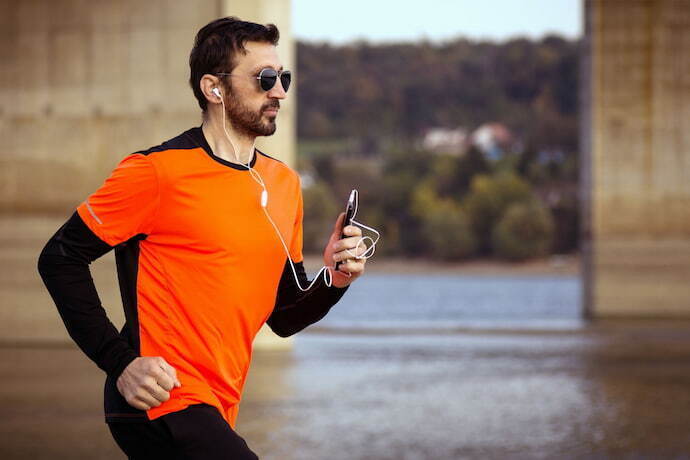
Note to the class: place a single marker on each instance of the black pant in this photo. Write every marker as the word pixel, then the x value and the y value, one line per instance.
pixel 197 432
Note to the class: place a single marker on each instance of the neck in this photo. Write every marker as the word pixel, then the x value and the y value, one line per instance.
pixel 223 147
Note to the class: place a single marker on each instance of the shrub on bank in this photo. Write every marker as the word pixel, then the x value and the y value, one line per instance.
pixel 525 230
pixel 319 211
pixel 448 232
pixel 487 201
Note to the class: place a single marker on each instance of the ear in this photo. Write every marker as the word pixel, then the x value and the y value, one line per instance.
pixel 207 84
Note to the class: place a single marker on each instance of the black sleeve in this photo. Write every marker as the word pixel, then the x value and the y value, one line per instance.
pixel 294 309
pixel 64 268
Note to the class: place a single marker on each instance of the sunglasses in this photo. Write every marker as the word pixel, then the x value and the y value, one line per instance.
pixel 268 77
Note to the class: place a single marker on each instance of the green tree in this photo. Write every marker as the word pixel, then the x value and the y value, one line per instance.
pixel 472 163
pixel 445 228
pixel 566 224
pixel 448 232
pixel 452 174
pixel 320 211
pixel 530 85
pixel 402 172
pixel 488 198
pixel 525 230
pixel 444 170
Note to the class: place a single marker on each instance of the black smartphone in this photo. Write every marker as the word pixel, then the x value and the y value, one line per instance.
pixel 349 213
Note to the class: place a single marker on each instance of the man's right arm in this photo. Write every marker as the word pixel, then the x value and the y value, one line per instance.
pixel 144 382
pixel 124 206
pixel 64 268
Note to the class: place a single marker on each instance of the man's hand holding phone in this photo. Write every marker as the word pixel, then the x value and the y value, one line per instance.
pixel 343 239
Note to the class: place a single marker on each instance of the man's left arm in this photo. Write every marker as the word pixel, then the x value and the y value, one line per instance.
pixel 294 309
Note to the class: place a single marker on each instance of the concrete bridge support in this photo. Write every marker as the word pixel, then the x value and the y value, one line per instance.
pixel 85 82
pixel 636 158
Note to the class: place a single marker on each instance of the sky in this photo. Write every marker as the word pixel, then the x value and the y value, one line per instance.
pixel 435 20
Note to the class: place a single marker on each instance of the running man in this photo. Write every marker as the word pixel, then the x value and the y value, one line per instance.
pixel 200 265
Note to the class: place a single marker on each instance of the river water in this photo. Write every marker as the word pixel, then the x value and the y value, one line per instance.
pixel 471 367
pixel 454 302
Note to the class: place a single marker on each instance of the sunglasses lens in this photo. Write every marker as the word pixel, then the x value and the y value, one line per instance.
pixel 285 79
pixel 268 79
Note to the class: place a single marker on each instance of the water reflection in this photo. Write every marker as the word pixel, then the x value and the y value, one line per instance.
pixel 590 393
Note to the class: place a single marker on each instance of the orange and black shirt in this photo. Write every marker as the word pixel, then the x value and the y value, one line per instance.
pixel 200 267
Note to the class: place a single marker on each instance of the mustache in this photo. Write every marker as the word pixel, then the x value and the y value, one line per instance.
pixel 271 105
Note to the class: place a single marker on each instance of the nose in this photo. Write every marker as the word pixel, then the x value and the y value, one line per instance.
pixel 277 92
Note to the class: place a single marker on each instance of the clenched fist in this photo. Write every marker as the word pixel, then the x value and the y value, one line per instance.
pixel 146 382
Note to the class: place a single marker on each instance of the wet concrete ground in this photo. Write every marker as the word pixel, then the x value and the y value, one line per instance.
pixel 616 390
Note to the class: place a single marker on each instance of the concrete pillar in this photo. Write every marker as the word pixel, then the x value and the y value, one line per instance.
pixel 85 82
pixel 637 158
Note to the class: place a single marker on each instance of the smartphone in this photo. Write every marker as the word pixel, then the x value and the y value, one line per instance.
pixel 349 213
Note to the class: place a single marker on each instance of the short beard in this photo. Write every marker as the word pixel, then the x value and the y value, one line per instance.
pixel 247 122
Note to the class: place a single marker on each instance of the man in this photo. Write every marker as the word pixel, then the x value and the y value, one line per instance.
pixel 200 265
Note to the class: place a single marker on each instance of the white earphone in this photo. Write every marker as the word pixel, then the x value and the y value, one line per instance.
pixel 216 91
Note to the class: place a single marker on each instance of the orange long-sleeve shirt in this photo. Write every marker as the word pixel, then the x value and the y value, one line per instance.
pixel 200 267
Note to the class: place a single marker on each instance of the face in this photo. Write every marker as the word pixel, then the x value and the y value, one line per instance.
pixel 250 109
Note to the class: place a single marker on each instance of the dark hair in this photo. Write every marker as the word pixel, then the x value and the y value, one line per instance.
pixel 217 44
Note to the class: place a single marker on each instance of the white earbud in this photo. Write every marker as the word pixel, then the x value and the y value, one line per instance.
pixel 216 91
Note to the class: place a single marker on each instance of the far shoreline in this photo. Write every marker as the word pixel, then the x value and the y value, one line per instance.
pixel 555 265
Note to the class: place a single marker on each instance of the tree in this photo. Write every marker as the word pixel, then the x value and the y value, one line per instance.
pixel 472 163
pixel 445 228
pixel 488 199
pixel 525 230
pixel 320 211
pixel 447 231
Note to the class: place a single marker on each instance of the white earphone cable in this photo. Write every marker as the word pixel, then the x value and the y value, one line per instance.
pixel 327 276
